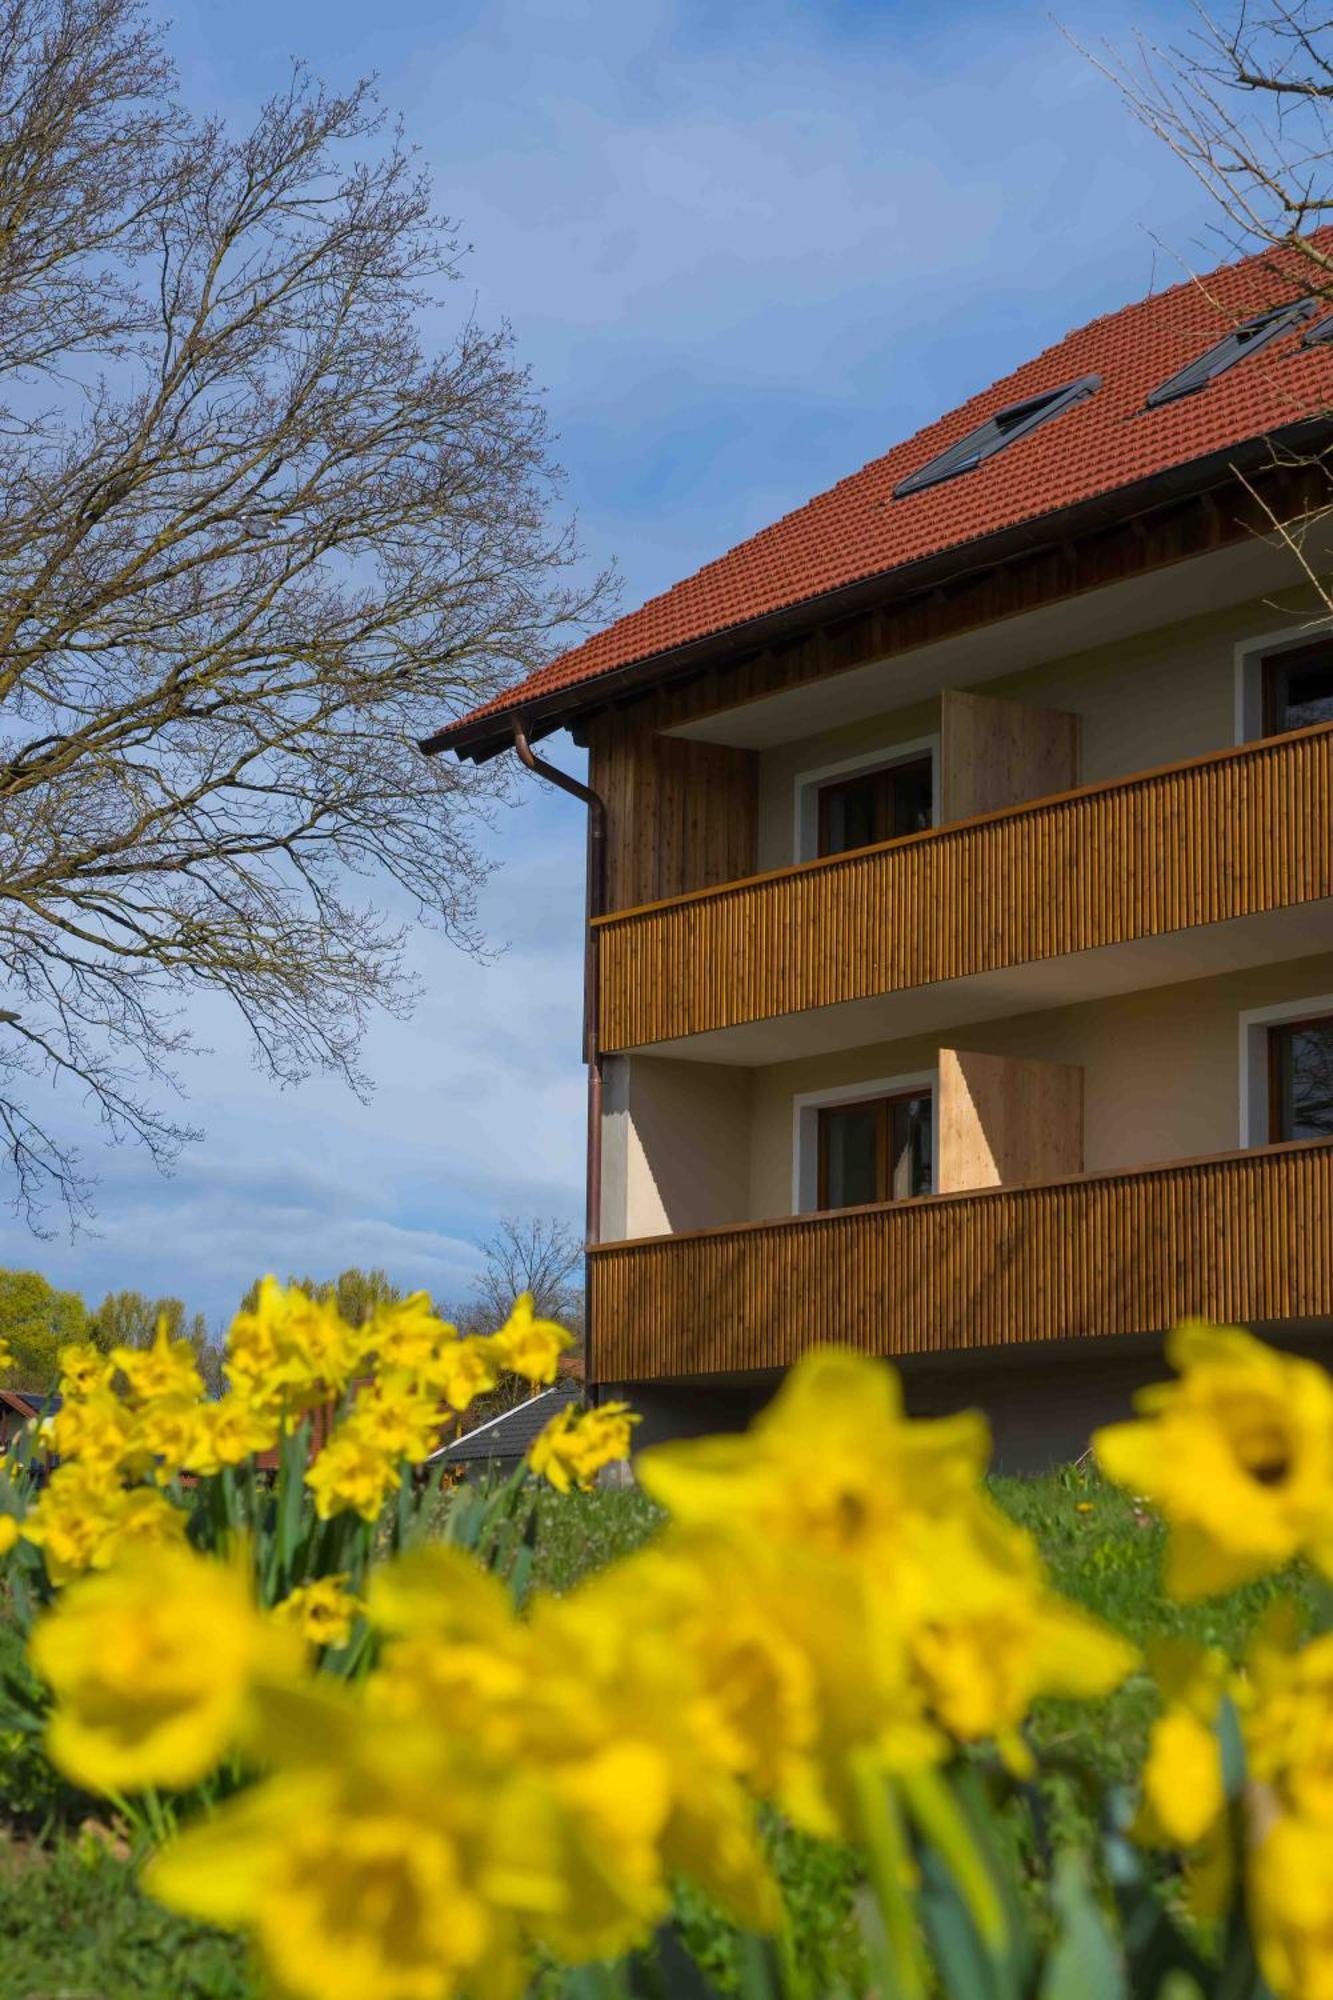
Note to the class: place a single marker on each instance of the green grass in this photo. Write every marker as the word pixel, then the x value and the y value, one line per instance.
pixel 73 1926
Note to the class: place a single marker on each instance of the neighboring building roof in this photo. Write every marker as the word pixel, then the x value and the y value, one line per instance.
pixel 857 531
pixel 509 1436
pixel 28 1403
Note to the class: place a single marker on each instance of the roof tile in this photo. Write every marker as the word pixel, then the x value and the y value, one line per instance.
pixel 856 530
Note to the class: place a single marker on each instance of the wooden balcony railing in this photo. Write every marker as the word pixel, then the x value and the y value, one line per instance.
pixel 1229 835
pixel 1240 1237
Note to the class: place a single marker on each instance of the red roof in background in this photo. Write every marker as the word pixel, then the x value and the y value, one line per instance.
pixel 857 531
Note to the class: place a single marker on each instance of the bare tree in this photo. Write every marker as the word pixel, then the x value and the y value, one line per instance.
pixel 537 1254
pixel 1246 103
pixel 256 538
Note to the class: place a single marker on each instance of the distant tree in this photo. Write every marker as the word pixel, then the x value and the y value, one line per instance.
pixel 258 535
pixel 36 1320
pixel 537 1254
pixel 356 1292
pixel 129 1319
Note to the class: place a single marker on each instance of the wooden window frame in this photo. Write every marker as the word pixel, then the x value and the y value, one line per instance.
pixel 882 1107
pixel 1277 1030
pixel 1272 666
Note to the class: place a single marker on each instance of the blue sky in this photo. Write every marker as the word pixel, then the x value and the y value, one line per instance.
pixel 745 247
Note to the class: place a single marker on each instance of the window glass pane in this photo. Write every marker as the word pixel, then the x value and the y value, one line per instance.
pixel 1301 688
pixel 1305 1080
pixel 911 798
pixel 1309 697
pixel 847 815
pixel 851 1155
pixel 881 805
pixel 909 1147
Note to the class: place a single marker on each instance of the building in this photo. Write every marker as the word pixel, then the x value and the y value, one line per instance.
pixel 499 1446
pixel 960 976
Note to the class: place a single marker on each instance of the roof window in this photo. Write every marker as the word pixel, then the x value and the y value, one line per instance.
pixel 1245 339
pixel 997 431
pixel 1319 336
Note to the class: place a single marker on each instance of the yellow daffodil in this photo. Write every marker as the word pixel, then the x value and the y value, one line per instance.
pixel 574 1446
pixel 166 1369
pixel 169 1433
pixel 291 1353
pixel 398 1416
pixel 1291 1900
pixel 832 1461
pixel 352 1474
pixel 1183 1799
pixel 1288 1715
pixel 151 1665
pixel 529 1346
pixel 83 1368
pixel 408 1334
pixel 404 1860
pixel 323 1612
pixel 467 1369
pixel 986 1634
pixel 10 1534
pixel 93 1428
pixel 345 1889
pixel 83 1521
pixel 230 1431
pixel 1238 1456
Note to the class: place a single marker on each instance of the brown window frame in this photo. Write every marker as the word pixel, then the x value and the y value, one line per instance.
pixel 1273 667
pixel 883 1134
pixel 1277 1033
pixel 829 790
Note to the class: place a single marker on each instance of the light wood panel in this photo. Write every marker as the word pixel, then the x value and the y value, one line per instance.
pixel 680 815
pixel 1004 1120
pixel 1243 831
pixel 1245 1237
pixel 995 754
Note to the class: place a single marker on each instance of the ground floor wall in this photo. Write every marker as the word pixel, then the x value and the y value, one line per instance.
pixel 1043 1404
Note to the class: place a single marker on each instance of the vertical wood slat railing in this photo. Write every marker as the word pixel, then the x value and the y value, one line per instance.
pixel 1230 835
pixel 1240 1237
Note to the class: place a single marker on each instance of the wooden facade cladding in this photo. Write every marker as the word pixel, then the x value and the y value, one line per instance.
pixel 681 815
pixel 1229 835
pixel 1242 1237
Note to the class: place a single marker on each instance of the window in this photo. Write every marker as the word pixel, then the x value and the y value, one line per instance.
pixel 876 805
pixel 877 1149
pixel 1300 1079
pixel 997 431
pixel 1298 687
pixel 1233 347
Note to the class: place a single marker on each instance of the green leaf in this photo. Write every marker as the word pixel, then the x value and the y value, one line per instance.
pixel 291 1495
pixel 664 1970
pixel 968 1971
pixel 1085 1963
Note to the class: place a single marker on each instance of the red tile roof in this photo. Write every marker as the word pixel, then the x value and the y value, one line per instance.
pixel 857 531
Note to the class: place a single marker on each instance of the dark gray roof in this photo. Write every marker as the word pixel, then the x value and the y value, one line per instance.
pixel 509 1436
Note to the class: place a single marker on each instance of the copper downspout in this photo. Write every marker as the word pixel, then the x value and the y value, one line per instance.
pixel 596 891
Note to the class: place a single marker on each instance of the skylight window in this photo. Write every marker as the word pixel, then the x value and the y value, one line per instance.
pixel 1233 347
pixel 1003 428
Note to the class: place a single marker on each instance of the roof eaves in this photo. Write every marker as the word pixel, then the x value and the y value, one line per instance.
pixel 492 733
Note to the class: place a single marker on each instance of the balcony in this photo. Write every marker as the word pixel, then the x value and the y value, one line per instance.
pixel 1242 1236
pixel 1242 839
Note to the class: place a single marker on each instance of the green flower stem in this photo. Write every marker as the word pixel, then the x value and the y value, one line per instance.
pixel 891 1872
